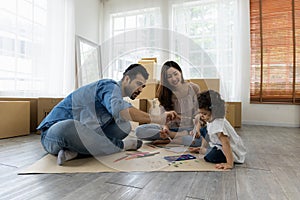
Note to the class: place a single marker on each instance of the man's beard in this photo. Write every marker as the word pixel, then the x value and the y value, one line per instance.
pixel 134 95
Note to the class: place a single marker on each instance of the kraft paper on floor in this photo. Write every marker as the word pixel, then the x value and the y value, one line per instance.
pixel 121 162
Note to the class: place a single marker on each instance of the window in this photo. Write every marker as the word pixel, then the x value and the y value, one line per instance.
pixel 202 36
pixel 32 50
pixel 21 21
pixel 125 31
pixel 212 25
pixel 275 53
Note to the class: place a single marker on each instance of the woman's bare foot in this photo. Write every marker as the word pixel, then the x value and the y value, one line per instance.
pixel 194 149
pixel 200 150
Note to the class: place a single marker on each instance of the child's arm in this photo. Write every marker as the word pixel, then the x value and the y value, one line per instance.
pixel 227 151
pixel 198 125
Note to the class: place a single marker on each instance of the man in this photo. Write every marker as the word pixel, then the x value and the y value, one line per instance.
pixel 94 119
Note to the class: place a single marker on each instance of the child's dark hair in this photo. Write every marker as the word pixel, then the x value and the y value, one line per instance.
pixel 135 69
pixel 211 100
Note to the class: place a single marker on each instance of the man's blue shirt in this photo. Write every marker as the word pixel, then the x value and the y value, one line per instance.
pixel 93 105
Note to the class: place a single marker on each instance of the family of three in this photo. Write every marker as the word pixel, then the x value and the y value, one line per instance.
pixel 95 119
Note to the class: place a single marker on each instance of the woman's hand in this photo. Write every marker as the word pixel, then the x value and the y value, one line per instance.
pixel 171 116
pixel 198 135
pixel 164 133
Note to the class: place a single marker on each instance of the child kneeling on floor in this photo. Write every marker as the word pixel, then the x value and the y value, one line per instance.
pixel 220 143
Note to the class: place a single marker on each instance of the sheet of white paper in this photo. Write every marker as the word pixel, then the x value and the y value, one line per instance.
pixel 180 149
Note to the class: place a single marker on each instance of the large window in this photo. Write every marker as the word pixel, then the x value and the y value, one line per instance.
pixel 275 52
pixel 125 33
pixel 212 25
pixel 202 36
pixel 35 44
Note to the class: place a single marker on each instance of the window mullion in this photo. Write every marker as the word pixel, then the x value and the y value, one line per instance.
pixel 261 53
pixel 294 52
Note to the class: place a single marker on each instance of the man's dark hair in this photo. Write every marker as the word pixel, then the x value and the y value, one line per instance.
pixel 135 69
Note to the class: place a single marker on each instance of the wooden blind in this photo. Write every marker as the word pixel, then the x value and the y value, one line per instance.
pixel 275 51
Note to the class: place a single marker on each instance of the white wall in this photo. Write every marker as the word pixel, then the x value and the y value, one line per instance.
pixel 87 15
pixel 261 114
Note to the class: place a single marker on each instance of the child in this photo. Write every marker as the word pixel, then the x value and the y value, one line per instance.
pixel 221 144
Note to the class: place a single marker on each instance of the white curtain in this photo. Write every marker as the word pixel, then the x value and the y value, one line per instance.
pixel 203 36
pixel 38 48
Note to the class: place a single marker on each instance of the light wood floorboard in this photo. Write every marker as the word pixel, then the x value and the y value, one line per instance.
pixel 271 171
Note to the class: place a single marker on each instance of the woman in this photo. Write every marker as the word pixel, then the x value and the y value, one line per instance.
pixel 174 93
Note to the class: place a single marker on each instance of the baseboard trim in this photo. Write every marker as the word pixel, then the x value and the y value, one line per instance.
pixel 260 123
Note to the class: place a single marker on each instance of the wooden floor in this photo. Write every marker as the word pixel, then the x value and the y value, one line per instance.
pixel 271 171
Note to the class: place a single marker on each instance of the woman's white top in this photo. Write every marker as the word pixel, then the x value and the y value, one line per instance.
pixel 222 125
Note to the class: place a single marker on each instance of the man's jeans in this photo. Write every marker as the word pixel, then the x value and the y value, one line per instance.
pixel 74 136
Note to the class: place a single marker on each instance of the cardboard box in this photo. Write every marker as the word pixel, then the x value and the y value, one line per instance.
pixel 234 113
pixel 33 109
pixel 15 118
pixel 205 84
pixel 150 64
pixel 44 106
pixel 149 92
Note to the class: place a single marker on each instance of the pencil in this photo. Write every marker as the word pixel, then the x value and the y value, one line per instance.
pixel 150 154
pixel 120 158
pixel 151 145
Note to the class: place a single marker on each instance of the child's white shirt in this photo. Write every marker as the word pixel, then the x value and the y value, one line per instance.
pixel 222 125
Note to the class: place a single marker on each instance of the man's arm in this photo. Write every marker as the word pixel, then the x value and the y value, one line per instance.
pixel 134 114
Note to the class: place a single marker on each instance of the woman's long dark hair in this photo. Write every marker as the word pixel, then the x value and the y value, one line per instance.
pixel 164 91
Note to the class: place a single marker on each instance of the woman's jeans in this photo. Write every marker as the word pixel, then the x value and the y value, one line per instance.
pixel 151 132
pixel 74 136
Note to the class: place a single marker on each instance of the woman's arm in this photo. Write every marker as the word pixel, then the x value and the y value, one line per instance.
pixel 227 151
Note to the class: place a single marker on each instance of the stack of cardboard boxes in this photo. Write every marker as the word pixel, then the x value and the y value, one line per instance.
pixel 149 92
pixel 21 116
